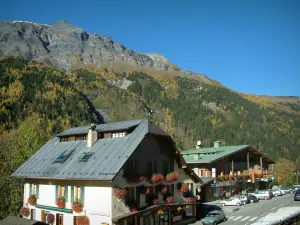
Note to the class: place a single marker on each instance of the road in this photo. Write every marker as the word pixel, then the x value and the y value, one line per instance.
pixel 253 212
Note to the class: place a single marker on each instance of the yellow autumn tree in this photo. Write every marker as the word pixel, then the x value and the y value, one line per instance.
pixel 284 170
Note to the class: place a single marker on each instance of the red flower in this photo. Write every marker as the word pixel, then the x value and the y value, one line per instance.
pixel 155 201
pixel 133 210
pixel 147 191
pixel 24 211
pixel 119 193
pixel 184 188
pixel 60 202
pixel 173 176
pixel 31 200
pixel 82 220
pixel 190 199
pixel 77 206
pixel 170 199
pixel 157 178
pixel 164 189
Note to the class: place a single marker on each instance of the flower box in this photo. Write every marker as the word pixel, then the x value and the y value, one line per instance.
pixel 190 199
pixel 184 188
pixel 155 201
pixel 24 211
pixel 170 199
pixel 50 218
pixel 82 220
pixel 171 177
pixel 133 210
pixel 77 206
pixel 164 190
pixel 119 193
pixel 60 202
pixel 135 180
pixel 31 200
pixel 157 178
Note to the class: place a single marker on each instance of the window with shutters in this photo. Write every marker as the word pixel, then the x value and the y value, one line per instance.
pixel 117 135
pixel 77 193
pixel 130 193
pixel 61 191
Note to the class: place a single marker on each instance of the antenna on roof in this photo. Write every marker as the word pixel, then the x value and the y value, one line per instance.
pixel 198 144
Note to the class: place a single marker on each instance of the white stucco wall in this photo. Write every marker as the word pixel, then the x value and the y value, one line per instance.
pixel 97 203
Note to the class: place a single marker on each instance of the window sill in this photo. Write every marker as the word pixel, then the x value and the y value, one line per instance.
pixel 54 208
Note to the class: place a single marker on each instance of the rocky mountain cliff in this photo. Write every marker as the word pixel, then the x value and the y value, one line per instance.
pixel 64 45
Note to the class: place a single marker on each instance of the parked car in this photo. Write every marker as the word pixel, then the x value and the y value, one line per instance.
pixel 288 189
pixel 214 217
pixel 276 192
pixel 297 195
pixel 231 201
pixel 244 199
pixel 263 194
pixel 253 198
pixel 272 194
pixel 282 192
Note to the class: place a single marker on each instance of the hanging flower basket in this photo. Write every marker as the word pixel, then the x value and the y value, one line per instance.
pixel 147 190
pixel 179 209
pixel 184 188
pixel 164 190
pixel 31 200
pixel 60 202
pixel 24 211
pixel 155 201
pixel 157 178
pixel 50 218
pixel 171 177
pixel 77 206
pixel 170 199
pixel 82 220
pixel 119 193
pixel 136 180
pixel 190 199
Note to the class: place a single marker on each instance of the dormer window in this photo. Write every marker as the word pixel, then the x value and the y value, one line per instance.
pixel 63 139
pixel 80 138
pixel 119 134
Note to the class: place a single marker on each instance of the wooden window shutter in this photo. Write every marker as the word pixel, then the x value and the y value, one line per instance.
pixel 136 168
pixel 43 218
pixel 56 191
pixel 155 166
pixel 30 189
pixel 166 167
pixel 72 194
pixel 82 195
pixel 37 190
pixel 66 193
pixel 137 195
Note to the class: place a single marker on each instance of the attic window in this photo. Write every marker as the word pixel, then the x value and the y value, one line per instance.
pixel 80 138
pixel 120 134
pixel 63 139
pixel 85 156
pixel 63 156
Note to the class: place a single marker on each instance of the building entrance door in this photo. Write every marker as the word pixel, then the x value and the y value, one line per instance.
pixel 59 219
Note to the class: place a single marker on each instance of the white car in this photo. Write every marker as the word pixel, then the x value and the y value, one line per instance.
pixel 263 194
pixel 231 201
pixel 276 192
pixel 282 191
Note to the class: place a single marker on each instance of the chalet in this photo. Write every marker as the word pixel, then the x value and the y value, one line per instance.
pixel 116 173
pixel 228 170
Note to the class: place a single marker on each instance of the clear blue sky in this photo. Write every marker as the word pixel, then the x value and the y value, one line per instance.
pixel 251 46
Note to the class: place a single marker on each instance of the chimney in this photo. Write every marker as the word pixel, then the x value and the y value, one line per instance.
pixel 92 136
pixel 217 144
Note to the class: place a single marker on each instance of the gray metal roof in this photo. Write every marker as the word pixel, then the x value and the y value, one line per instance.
pixel 109 155
pixel 123 125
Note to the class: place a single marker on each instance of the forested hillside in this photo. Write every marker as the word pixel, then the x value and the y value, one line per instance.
pixel 38 101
